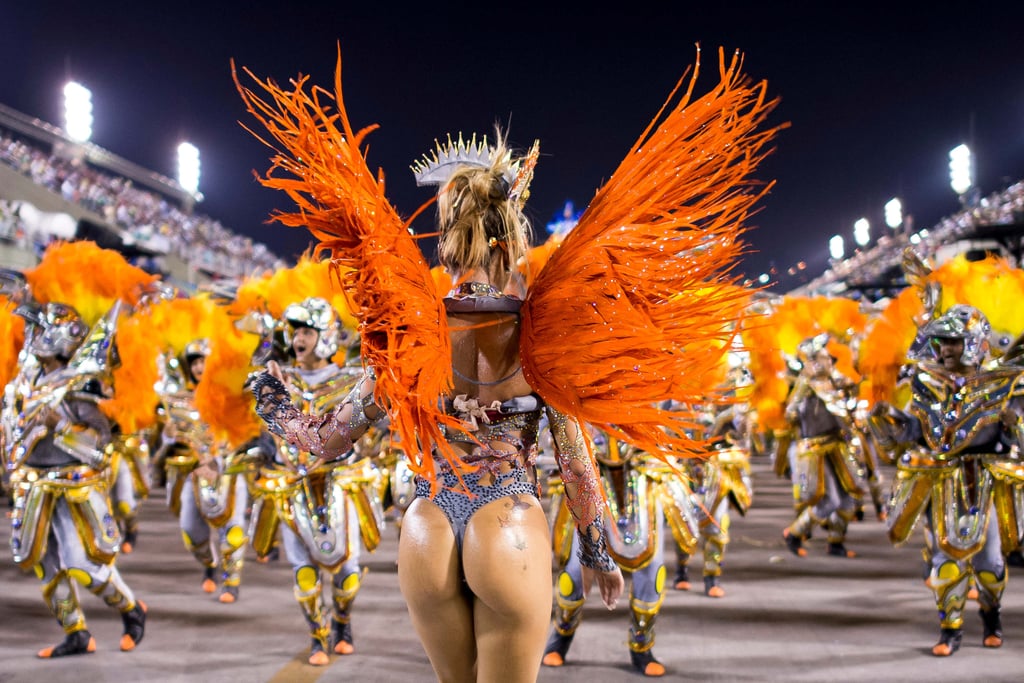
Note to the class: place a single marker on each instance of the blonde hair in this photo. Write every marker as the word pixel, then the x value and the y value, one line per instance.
pixel 477 220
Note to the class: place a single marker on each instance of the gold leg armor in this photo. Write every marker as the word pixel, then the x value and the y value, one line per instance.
pixel 61 597
pixel 949 581
pixel 714 549
pixel 344 596
pixel 641 632
pixel 309 595
pixel 990 588
pixel 233 554
pixel 203 553
pixel 568 612
pixel 837 525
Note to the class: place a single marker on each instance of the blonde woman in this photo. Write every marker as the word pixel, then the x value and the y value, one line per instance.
pixel 474 552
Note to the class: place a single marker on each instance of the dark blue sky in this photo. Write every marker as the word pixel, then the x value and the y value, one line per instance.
pixel 876 96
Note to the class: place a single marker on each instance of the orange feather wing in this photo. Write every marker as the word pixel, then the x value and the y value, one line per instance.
pixel 637 305
pixel 319 162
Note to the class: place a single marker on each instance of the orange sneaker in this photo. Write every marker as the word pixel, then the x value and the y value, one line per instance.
pixel 209 585
pixel 794 543
pixel 711 587
pixel 228 594
pixel 993 627
pixel 77 643
pixel 317 656
pixel 682 582
pixel 341 636
pixel 552 659
pixel 949 642
pixel 839 550
pixel 128 544
pixel 556 649
pixel 134 626
pixel 645 663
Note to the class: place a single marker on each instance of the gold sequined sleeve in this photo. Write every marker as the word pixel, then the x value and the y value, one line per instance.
pixel 582 490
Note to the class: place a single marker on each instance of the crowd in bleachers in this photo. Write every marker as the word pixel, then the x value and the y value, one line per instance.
pixel 147 218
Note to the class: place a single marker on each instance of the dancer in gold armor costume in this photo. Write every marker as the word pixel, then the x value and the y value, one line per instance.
pixel 642 492
pixel 329 511
pixel 57 448
pixel 828 475
pixel 207 488
pixel 955 470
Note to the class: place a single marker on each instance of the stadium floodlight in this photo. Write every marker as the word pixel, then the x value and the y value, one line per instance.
pixel 77 111
pixel 961 169
pixel 836 248
pixel 861 232
pixel 188 167
pixel 894 213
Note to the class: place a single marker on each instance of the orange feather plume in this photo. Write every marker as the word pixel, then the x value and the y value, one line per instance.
pixel 135 401
pixel 883 351
pixel 12 339
pixel 221 399
pixel 92 279
pixel 87 277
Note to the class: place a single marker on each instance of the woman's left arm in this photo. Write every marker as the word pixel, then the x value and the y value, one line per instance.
pixel 328 436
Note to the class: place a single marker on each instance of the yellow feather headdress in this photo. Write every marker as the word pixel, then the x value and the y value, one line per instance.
pixel 273 293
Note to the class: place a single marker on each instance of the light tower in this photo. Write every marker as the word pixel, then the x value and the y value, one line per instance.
pixel 188 171
pixel 836 248
pixel 861 232
pixel 77 112
pixel 961 171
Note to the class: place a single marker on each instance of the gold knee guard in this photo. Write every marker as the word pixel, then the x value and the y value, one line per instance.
pixel 233 552
pixel 803 524
pixel 344 596
pixel 990 588
pixel 837 525
pixel 109 591
pixel 714 549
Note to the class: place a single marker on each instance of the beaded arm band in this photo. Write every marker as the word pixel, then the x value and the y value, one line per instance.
pixel 582 491
pixel 310 433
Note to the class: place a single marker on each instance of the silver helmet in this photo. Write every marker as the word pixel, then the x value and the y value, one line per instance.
pixel 59 333
pixel 318 314
pixel 960 322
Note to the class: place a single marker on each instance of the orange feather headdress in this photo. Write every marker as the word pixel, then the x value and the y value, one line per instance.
pixel 221 398
pixel 92 279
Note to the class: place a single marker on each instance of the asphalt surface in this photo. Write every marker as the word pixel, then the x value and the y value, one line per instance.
pixel 784 618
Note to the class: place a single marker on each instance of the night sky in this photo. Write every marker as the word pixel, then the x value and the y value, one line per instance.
pixel 876 96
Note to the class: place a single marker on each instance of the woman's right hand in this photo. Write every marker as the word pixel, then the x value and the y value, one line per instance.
pixel 275 370
pixel 272 397
pixel 610 583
